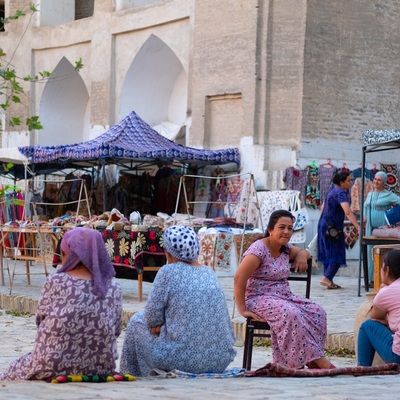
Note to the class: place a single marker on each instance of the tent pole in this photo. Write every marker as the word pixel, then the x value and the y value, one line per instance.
pixel 360 261
pixel 103 164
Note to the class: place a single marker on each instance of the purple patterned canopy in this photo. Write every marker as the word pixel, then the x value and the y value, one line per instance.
pixel 131 139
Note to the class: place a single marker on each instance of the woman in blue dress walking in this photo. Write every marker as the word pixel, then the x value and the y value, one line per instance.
pixel 331 245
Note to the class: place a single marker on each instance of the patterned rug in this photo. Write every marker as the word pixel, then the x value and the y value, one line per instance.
pixel 274 370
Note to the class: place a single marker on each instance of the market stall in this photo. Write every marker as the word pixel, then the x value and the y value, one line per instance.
pixel 131 145
pixel 373 141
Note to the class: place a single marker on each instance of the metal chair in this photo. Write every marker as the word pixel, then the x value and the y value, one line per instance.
pixel 261 328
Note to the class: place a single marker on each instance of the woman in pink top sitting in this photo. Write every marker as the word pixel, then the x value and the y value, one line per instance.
pixel 381 333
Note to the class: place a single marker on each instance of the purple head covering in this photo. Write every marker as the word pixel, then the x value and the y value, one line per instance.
pixel 182 242
pixel 86 246
pixel 382 175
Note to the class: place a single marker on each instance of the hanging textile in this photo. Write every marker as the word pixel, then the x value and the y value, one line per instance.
pixel 248 201
pixel 274 200
pixel 207 249
pixel 234 189
pixel 392 177
pixel 201 197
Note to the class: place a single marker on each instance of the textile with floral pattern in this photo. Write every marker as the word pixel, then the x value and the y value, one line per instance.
pixel 126 248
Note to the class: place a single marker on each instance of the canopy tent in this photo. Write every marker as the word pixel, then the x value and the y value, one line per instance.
pixel 131 144
pixel 373 141
pixel 13 164
pixel 132 139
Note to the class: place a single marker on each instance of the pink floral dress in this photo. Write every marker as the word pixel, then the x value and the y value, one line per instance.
pixel 298 325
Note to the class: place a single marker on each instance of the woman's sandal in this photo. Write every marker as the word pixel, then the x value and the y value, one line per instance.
pixel 330 285
pixel 333 286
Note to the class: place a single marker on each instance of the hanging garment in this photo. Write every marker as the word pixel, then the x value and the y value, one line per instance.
pixel 312 190
pixel 356 194
pixel 326 173
pixel 296 179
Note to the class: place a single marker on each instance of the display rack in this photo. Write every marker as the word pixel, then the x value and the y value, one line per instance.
pixel 29 241
pixel 250 198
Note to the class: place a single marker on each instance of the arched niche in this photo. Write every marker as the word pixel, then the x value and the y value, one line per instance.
pixel 155 85
pixel 64 107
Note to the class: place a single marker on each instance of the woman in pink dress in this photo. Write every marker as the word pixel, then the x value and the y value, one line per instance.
pixel 262 292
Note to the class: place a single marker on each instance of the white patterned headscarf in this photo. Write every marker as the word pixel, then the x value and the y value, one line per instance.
pixel 182 243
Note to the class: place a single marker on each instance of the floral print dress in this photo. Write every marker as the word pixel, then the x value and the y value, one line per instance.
pixel 298 325
pixel 77 332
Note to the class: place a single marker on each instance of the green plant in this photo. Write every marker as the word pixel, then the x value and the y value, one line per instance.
pixel 18 313
pixel 341 352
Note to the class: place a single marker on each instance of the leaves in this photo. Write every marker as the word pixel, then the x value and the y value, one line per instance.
pixel 34 123
pixel 15 121
pixel 78 65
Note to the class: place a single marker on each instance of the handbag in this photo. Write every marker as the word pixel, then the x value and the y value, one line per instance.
pixel 332 233
pixel 392 215
pixel 299 213
pixel 298 237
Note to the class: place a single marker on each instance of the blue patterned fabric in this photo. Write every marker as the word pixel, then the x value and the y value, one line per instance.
pixel 196 333
pixel 132 138
pixel 229 373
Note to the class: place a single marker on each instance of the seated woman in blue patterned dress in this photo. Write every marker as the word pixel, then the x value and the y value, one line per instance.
pixel 185 324
pixel 78 315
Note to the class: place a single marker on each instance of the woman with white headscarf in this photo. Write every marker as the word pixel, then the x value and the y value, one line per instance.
pixel 79 315
pixel 378 201
pixel 185 324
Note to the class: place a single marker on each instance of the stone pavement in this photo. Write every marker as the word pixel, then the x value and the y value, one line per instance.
pixel 17 336
pixel 341 305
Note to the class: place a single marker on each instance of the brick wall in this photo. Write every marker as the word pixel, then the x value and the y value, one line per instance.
pixel 351 76
pixel 224 44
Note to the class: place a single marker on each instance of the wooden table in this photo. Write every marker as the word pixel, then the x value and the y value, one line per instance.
pixel 373 241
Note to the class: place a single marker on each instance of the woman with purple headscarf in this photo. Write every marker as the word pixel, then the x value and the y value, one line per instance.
pixel 185 324
pixel 378 201
pixel 78 314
